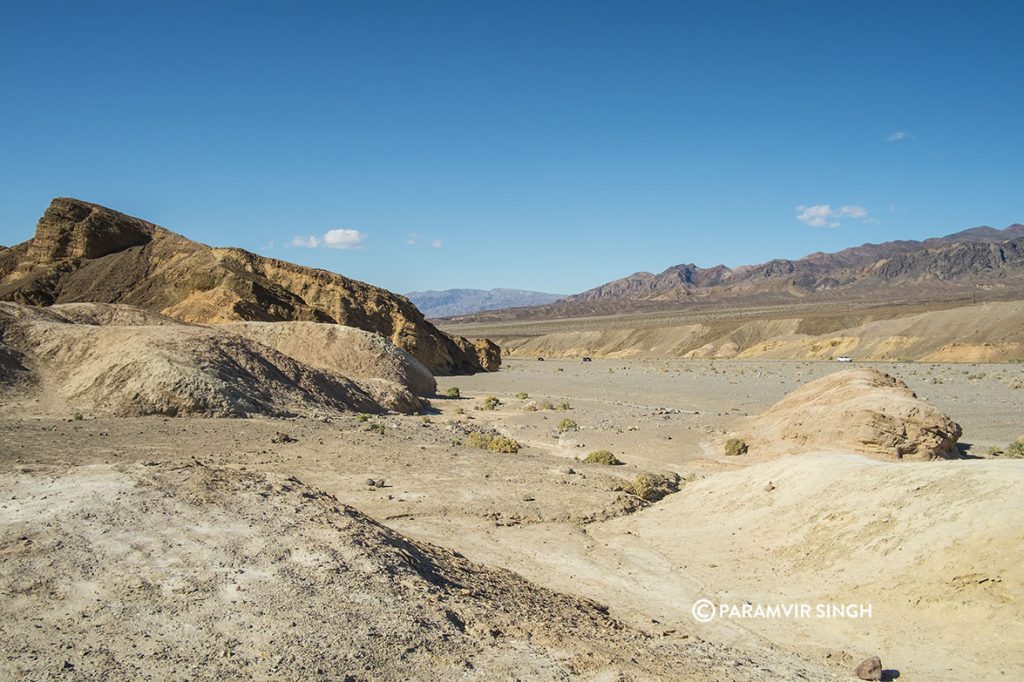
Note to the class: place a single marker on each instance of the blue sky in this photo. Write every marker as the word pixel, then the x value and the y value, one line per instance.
pixel 549 145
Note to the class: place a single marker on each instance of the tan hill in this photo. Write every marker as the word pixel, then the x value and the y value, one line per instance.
pixel 858 410
pixel 82 252
pixel 123 361
pixel 989 332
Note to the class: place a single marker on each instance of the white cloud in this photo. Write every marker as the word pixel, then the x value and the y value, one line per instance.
pixel 305 242
pixel 412 239
pixel 823 215
pixel 344 239
pixel 897 136
pixel 437 244
pixel 332 239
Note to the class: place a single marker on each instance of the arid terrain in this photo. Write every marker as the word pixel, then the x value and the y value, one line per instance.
pixel 226 552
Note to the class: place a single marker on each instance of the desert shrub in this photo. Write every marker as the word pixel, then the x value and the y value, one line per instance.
pixel 376 428
pixel 652 487
pixel 602 457
pixel 363 417
pixel 564 406
pixel 453 392
pixel 425 419
pixel 530 407
pixel 522 395
pixel 735 446
pixel 455 442
pixel 76 416
pixel 545 405
pixel 1015 449
pixel 494 443
pixel 490 403
pixel 568 425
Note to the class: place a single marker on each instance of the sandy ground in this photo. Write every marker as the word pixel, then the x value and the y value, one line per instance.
pixel 936 549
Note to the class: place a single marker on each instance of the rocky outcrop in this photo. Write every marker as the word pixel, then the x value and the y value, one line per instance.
pixel 861 411
pixel 83 252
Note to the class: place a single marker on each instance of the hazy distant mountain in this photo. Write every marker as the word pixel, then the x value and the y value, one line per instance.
pixel 464 301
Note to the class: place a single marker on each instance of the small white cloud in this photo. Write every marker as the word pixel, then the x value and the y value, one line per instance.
pixel 897 136
pixel 332 239
pixel 437 244
pixel 305 242
pixel 412 239
pixel 823 215
pixel 343 239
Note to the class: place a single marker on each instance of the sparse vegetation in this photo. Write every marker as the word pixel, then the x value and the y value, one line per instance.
pixel 735 447
pixel 602 457
pixel 376 428
pixel 426 420
pixel 545 405
pixel 568 425
pixel 490 403
pixel 76 416
pixel 522 395
pixel 363 417
pixel 1014 450
pixel 652 487
pixel 563 406
pixel 453 392
pixel 493 442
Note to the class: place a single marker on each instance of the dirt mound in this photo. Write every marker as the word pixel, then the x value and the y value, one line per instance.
pixel 162 571
pixel 67 361
pixel 351 352
pixel 859 410
pixel 82 252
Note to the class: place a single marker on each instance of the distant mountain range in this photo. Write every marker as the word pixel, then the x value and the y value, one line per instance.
pixel 941 268
pixel 466 301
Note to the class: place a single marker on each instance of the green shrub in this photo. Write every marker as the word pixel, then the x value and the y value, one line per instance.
pixel 735 446
pixel 376 428
pixel 564 406
pixel 602 457
pixel 363 417
pixel 1015 449
pixel 425 419
pixel 453 392
pixel 522 395
pixel 568 425
pixel 490 403
pixel 545 405
pixel 76 416
pixel 488 441
pixel 652 487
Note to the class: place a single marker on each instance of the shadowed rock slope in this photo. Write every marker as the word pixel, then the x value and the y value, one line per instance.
pixel 83 252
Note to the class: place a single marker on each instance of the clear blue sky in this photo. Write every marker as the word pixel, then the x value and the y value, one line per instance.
pixel 539 145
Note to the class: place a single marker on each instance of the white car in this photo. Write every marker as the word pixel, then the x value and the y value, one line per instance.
pixel 844 358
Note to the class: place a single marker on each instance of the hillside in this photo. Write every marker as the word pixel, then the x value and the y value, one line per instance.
pixel 83 252
pixel 465 301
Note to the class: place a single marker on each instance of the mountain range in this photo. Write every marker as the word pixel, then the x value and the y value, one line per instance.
pixel 941 268
pixel 464 301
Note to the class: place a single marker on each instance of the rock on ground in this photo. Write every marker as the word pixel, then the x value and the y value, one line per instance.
pixel 859 410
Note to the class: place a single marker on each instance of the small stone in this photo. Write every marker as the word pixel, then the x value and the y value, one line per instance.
pixel 371 483
pixel 770 487
pixel 281 437
pixel 869 669
pixel 379 483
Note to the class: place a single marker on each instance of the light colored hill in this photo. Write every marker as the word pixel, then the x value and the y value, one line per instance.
pixel 122 361
pixel 991 332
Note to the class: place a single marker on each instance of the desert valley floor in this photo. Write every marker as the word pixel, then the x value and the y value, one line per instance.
pixel 385 547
